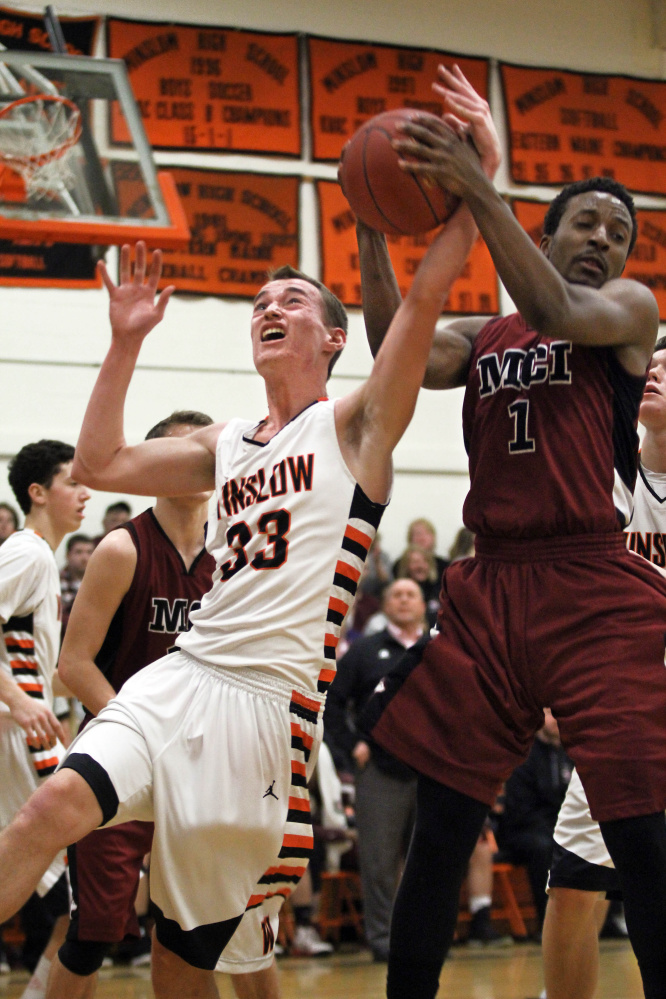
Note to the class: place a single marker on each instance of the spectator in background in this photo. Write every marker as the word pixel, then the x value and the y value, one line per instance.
pixel 421 532
pixel 115 515
pixel 385 788
pixel 420 565
pixel 463 545
pixel 79 549
pixel 533 795
pixel 9 521
pixel 377 572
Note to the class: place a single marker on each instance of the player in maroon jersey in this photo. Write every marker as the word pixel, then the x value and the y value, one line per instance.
pixel 552 611
pixel 142 581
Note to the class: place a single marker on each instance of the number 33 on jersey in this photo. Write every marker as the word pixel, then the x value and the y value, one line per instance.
pixel 291 506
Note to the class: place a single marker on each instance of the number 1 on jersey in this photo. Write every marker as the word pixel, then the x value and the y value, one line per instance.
pixel 519 411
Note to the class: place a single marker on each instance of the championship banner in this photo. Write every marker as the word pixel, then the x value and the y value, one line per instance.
pixel 214 89
pixel 54 265
pixel 475 292
pixel 647 262
pixel 27 32
pixel 567 126
pixel 351 82
pixel 48 265
pixel 242 225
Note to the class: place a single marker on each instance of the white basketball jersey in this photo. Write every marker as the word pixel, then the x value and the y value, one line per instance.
pixel 29 613
pixel 646 532
pixel 290 537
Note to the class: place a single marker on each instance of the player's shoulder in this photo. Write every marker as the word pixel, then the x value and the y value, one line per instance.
pixel 117 546
pixel 27 544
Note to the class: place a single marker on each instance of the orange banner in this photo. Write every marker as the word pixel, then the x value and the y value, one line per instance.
pixel 20 30
pixel 568 126
pixel 647 262
pixel 475 292
pixel 210 88
pixel 351 82
pixel 242 225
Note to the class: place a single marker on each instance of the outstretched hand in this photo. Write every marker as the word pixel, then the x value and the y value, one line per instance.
pixel 457 150
pixel 133 309
pixel 469 115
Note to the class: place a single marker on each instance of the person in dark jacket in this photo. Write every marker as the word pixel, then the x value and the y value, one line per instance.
pixel 385 787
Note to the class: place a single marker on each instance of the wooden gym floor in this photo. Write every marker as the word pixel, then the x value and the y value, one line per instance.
pixel 493 973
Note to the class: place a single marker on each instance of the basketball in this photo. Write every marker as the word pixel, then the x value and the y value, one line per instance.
pixel 380 193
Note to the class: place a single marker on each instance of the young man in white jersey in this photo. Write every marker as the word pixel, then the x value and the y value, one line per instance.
pixel 30 747
pixel 582 871
pixel 216 742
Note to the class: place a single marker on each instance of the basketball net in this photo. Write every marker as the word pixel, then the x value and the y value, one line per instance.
pixel 36 136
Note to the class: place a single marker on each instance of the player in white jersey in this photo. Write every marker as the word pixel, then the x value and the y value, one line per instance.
pixel 582 871
pixel 216 741
pixel 30 747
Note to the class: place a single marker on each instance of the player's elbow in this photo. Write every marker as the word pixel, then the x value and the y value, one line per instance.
pixel 81 470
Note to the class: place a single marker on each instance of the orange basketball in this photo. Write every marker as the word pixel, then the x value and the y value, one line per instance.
pixel 380 193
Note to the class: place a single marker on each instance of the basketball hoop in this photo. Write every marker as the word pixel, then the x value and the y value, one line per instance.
pixel 36 133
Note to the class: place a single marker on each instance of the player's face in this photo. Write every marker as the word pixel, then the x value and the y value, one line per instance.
pixel 288 325
pixel 591 243
pixel 652 413
pixel 403 604
pixel 66 500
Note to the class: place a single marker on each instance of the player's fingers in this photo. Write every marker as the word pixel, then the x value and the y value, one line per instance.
pixel 458 126
pixel 155 271
pixel 125 266
pixel 106 278
pixel 163 300
pixel 140 262
pixel 429 131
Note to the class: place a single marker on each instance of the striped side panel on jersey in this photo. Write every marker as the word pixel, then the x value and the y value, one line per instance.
pixel 360 531
pixel 297 841
pixel 18 633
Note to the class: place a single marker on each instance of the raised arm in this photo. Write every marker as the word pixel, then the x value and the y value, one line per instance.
pixel 107 579
pixel 606 311
pixel 167 466
pixel 467 114
pixel 372 419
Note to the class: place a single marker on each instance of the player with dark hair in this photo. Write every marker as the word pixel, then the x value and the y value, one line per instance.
pixel 38 464
pixel 30 747
pixel 216 741
pixel 607 185
pixel 552 610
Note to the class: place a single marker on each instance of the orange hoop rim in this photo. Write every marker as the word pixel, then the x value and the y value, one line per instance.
pixel 36 160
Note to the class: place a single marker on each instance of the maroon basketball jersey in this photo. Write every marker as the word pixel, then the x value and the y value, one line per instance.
pixel 157 605
pixel 549 427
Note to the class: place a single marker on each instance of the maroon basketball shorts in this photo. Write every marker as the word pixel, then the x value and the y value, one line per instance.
pixel 104 871
pixel 576 624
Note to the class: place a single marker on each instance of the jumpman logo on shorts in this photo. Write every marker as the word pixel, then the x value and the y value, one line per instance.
pixel 271 792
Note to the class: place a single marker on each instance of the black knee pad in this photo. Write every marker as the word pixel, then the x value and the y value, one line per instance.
pixel 83 957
